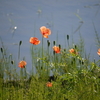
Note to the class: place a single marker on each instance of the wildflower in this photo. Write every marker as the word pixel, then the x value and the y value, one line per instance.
pixel 34 40
pixel 22 64
pixel 45 31
pixel 49 84
pixel 98 52
pixel 56 49
pixel 73 51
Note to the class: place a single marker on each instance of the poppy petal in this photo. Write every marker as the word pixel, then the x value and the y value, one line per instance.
pixel 45 31
pixel 49 84
pixel 56 49
pixel 34 40
pixel 98 52
pixel 22 64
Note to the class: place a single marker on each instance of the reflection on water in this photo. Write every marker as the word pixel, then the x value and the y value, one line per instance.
pixel 21 20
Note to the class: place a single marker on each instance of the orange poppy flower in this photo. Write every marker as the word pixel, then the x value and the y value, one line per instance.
pixel 56 49
pixel 72 51
pixel 22 64
pixel 34 40
pixel 98 52
pixel 49 84
pixel 45 31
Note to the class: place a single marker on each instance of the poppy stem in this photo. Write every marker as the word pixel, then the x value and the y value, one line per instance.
pixel 42 47
pixel 32 59
pixel 19 52
pixel 21 74
pixel 48 45
pixel 42 53
pixel 19 49
pixel 68 40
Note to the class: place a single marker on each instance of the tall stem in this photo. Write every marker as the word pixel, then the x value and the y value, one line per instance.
pixel 42 67
pixel 42 47
pixel 19 49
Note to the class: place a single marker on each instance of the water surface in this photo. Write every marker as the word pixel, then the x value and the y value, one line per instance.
pixel 72 17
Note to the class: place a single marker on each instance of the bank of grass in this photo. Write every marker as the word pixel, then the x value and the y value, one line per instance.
pixel 75 77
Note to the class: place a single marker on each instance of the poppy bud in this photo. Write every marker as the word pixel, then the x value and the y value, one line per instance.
pixel 94 60
pixel 2 50
pixel 72 62
pixel 54 42
pixel 48 43
pixel 59 46
pixel 41 67
pixel 20 42
pixel 54 52
pixel 12 62
pixel 67 37
pixel 75 47
pixel 82 62
pixel 65 50
pixel 74 59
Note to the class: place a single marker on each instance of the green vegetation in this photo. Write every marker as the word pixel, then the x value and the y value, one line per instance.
pixel 75 77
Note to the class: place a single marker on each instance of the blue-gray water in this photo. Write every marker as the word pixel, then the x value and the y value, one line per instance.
pixel 61 16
